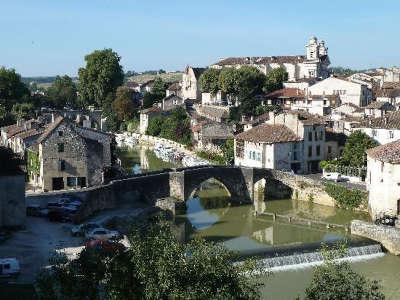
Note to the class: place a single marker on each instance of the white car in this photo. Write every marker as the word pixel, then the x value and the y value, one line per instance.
pixel 9 267
pixel 80 230
pixel 102 234
pixel 334 176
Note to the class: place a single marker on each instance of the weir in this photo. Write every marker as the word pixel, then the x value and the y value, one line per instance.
pixel 302 260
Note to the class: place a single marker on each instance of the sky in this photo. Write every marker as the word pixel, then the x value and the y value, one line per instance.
pixel 52 37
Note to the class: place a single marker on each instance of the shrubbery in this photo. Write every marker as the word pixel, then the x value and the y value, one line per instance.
pixel 346 198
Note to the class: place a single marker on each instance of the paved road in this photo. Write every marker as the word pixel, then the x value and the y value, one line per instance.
pixel 360 186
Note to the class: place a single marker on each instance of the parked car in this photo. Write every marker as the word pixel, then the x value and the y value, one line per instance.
pixel 9 267
pixel 54 204
pixel 81 230
pixel 102 234
pixel 386 220
pixel 105 245
pixel 334 176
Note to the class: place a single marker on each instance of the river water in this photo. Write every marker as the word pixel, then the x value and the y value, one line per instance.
pixel 211 216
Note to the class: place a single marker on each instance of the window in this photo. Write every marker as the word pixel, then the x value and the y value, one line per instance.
pixel 72 181
pixel 315 136
pixel 259 156
pixel 60 133
pixel 321 135
pixel 309 151
pixel 318 150
pixel 62 165
pixel 391 134
pixel 309 136
pixel 60 147
pixel 374 133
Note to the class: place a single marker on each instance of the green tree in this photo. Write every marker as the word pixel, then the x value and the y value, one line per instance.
pixel 209 81
pixel 275 79
pixel 23 110
pixel 156 266
pixel 63 92
pixel 155 126
pixel 251 82
pixel 336 280
pixel 148 100
pixel 229 80
pixel 100 78
pixel 12 89
pixel 158 89
pixel 354 150
pixel 228 151
pixel 123 104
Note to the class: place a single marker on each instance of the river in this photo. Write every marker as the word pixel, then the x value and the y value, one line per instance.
pixel 211 216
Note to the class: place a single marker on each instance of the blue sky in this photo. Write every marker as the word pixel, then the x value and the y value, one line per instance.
pixel 50 37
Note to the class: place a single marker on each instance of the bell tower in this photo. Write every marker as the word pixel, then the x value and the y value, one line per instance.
pixel 312 49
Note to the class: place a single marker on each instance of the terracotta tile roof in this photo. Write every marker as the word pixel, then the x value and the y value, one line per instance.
pixel 29 133
pixel 268 133
pixel 387 153
pixel 380 105
pixel 213 112
pixel 286 93
pixel 175 87
pixel 389 121
pixel 261 60
pixel 49 128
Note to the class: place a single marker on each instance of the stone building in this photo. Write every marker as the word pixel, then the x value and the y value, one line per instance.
pixel 213 135
pixel 312 65
pixel 174 88
pixel 190 83
pixel 384 129
pixel 349 92
pixel 70 156
pixel 383 177
pixel 378 109
pixel 287 141
pixel 284 97
pixel 146 115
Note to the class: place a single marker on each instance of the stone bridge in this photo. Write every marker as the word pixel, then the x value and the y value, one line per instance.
pixel 180 183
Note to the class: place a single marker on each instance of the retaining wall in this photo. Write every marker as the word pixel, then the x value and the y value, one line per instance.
pixel 388 236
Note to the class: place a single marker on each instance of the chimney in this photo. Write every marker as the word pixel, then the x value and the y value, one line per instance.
pixel 385 118
pixel 243 118
pixel 19 122
pixel 53 118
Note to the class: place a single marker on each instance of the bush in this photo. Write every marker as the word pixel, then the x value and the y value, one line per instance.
pixel 336 280
pixel 346 198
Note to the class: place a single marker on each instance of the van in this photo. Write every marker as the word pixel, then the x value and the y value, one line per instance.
pixel 9 267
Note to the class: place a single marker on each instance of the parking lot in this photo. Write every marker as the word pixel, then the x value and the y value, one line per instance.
pixel 34 245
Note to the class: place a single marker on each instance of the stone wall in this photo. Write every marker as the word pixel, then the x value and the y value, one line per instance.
pixel 12 201
pixel 388 236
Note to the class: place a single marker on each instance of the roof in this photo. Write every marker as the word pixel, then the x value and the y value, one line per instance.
pixel 380 105
pixel 198 71
pixel 29 133
pixel 49 128
pixel 332 136
pixel 286 93
pixel 153 109
pixel 268 133
pixel 387 153
pixel 132 84
pixel 175 87
pixel 216 130
pixel 389 121
pixel 260 60
pixel 213 112
pixel 307 118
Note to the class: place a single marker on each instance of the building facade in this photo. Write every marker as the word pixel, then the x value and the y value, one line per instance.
pixel 312 65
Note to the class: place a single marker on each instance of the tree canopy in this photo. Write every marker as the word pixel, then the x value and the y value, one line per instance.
pixel 336 280
pixel 100 78
pixel 63 92
pixel 157 93
pixel 12 89
pixel 209 81
pixel 275 79
pixel 354 150
pixel 156 266
pixel 123 104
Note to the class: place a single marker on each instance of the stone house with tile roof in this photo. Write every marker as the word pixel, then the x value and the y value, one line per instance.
pixel 70 156
pixel 292 140
pixel 378 109
pixel 384 129
pixel 383 177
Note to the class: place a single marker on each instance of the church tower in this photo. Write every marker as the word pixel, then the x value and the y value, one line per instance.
pixel 312 49
pixel 322 49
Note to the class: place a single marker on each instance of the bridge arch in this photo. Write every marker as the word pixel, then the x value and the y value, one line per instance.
pixel 231 178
